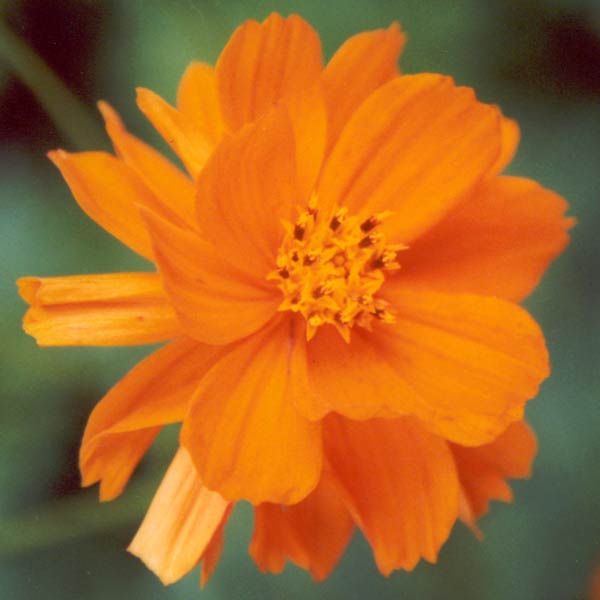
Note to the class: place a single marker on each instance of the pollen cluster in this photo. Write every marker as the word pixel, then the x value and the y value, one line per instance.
pixel 331 269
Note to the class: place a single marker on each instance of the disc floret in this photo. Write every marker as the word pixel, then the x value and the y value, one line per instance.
pixel 331 269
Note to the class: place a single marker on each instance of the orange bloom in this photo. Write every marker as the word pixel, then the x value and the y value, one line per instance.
pixel 336 278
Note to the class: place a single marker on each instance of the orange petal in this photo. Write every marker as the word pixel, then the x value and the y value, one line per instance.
pixel 118 309
pixel 246 188
pixel 173 190
pixel 108 191
pixel 215 302
pixel 511 136
pixel 198 101
pixel 312 534
pixel 242 430
pixel 471 362
pixel 212 554
pixel 399 483
pixel 483 470
pixel 498 243
pixel 353 379
pixel 190 143
pixel 414 147
pixel 265 63
pixel 180 524
pixel 125 421
pixel 361 65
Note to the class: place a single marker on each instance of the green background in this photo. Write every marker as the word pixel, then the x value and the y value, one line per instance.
pixel 540 61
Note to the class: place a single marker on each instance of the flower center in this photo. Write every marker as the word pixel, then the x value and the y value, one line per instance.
pixel 331 270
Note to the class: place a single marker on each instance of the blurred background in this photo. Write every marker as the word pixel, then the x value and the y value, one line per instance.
pixel 538 59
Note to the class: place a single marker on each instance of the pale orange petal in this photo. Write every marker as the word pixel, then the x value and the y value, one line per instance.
pixel 173 190
pixel 471 362
pixel 265 63
pixel 180 524
pixel 190 143
pixel 123 424
pixel 242 430
pixel 399 483
pixel 361 65
pixel 511 135
pixel 414 147
pixel 313 534
pixel 215 302
pixel 212 554
pixel 247 187
pixel 498 243
pixel 108 191
pixel 198 101
pixel 483 470
pixel 118 309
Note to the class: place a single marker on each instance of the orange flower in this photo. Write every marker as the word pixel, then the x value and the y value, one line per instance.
pixel 337 277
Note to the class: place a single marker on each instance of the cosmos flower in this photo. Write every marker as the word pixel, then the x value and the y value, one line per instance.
pixel 337 278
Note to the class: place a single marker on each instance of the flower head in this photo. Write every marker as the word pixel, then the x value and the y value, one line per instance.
pixel 337 277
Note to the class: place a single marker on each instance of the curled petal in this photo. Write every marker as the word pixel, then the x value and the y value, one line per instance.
pixel 98 310
pixel 312 534
pixel 181 522
pixel 399 483
pixel 483 470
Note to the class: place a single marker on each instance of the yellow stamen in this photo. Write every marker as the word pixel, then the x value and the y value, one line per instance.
pixel 330 270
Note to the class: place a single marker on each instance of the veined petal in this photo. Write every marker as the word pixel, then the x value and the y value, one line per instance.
pixel 108 191
pixel 312 534
pixel 216 302
pixel 123 424
pixel 361 65
pixel 98 310
pixel 180 524
pixel 190 143
pixel 198 101
pixel 173 190
pixel 399 483
pixel 265 63
pixel 247 187
pixel 243 432
pixel 471 361
pixel 483 470
pixel 498 242
pixel 414 147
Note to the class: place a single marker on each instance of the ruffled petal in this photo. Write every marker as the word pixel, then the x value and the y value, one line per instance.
pixel 191 144
pixel 180 524
pixel 173 190
pixel 471 361
pixel 361 65
pixel 313 534
pixel 118 309
pixel 399 483
pixel 216 302
pixel 198 101
pixel 247 187
pixel 109 192
pixel 483 470
pixel 498 243
pixel 265 63
pixel 414 147
pixel 242 430
pixel 124 423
